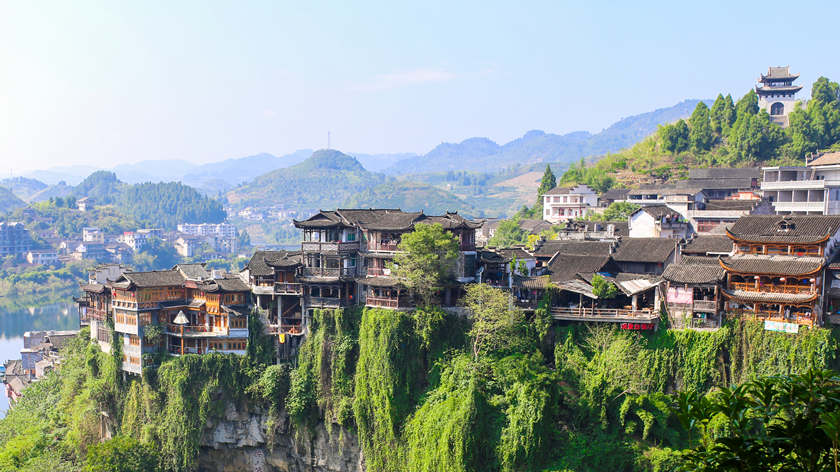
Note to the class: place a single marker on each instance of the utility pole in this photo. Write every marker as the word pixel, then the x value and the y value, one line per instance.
pixel 328 139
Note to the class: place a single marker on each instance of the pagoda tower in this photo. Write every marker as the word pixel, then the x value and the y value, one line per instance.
pixel 776 93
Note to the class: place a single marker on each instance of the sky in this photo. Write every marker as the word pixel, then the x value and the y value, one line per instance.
pixel 103 83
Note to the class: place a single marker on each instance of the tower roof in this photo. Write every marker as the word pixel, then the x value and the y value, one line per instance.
pixel 781 73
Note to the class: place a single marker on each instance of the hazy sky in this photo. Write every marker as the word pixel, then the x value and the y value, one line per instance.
pixel 101 83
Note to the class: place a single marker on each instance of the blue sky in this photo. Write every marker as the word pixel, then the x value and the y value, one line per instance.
pixel 101 83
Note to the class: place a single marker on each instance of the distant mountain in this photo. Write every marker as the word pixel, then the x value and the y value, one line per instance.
pixel 61 189
pixel 161 170
pixel 409 196
pixel 9 202
pixel 69 174
pixel 482 154
pixel 380 162
pixel 24 188
pixel 219 177
pixel 324 180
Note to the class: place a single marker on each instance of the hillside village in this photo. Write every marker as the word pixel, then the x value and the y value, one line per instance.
pixel 756 243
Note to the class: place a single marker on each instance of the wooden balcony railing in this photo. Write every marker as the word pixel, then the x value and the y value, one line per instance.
pixel 705 305
pixel 288 288
pixel 329 271
pixel 189 329
pixel 390 246
pixel 583 312
pixel 770 288
pixel 330 246
pixel 800 319
pixel 378 271
pixel 324 301
pixel 187 350
pixel 382 302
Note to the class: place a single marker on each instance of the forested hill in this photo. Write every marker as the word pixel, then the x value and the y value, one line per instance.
pixel 482 154
pixel 324 180
pixel 9 202
pixel 150 204
pixel 728 134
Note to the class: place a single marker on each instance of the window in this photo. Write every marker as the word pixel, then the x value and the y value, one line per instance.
pixel 777 109
pixel 133 340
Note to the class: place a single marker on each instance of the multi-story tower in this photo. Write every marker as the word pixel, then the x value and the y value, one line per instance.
pixel 776 93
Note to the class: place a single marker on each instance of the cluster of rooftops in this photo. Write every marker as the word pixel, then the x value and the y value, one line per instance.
pixel 764 267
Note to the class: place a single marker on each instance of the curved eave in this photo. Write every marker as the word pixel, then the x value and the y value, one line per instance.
pixel 785 274
pixel 737 238
pixel 769 296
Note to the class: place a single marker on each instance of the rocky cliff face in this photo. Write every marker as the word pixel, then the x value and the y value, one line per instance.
pixel 247 440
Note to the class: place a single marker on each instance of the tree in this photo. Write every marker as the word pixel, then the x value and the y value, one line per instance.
pixel 620 211
pixel 603 288
pixel 508 234
pixel 717 114
pixel 675 137
pixel 426 260
pixel 121 454
pixel 817 126
pixel 747 105
pixel 547 183
pixel 700 134
pixel 495 321
pixel 774 423
pixel 155 255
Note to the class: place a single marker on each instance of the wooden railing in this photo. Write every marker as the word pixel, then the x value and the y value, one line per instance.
pixel 770 288
pixel 705 305
pixel 330 246
pixel 187 350
pixel 583 312
pixel 382 246
pixel 805 320
pixel 188 329
pixel 288 288
pixel 323 301
pixel 382 302
pixel 378 271
pixel 329 271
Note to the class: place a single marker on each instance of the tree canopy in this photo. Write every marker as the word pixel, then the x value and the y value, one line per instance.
pixel 494 319
pixel 426 260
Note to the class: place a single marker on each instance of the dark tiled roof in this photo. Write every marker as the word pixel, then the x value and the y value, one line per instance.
pixel 93 288
pixel 492 256
pixel 257 265
pixel 615 194
pixel 659 211
pixel 193 271
pixel 644 250
pixel 516 252
pixel 787 228
pixel 450 221
pixel 536 282
pixel 550 248
pixel 322 219
pixel 534 226
pixel 155 278
pixel 227 284
pixel 282 258
pixel 558 191
pixel 693 273
pixel 772 265
pixel 769 297
pixel 381 220
pixel 682 189
pixel 724 173
pixel 564 267
pixel 710 244
pixel 731 205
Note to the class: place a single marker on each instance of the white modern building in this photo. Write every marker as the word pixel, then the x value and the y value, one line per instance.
pixel 812 189
pixel 562 204
pixel 659 221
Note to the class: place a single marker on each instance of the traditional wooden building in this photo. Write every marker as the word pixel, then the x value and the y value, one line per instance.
pixel 346 254
pixel 777 271
pixel 692 292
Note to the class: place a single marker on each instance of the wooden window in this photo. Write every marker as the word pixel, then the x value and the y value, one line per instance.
pixel 134 340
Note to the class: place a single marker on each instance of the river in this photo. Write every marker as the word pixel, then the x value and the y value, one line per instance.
pixel 13 323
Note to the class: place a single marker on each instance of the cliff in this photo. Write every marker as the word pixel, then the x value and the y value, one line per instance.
pixel 250 439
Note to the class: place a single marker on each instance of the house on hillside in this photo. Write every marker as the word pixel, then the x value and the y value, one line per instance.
pixel 659 221
pixel 692 292
pixel 812 189
pixel 646 255
pixel 561 204
pixel 777 271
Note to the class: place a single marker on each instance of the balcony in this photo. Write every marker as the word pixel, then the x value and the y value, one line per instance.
pixel 331 246
pixel 263 289
pixel 194 330
pixel 796 184
pixel 288 288
pixel 767 288
pixel 176 350
pixel 799 206
pixel 324 301
pixel 389 246
pixel 611 315
pixel 333 272
pixel 382 302
pixel 378 271
pixel 709 306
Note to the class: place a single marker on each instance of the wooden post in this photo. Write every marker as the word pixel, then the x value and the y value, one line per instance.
pixel 182 340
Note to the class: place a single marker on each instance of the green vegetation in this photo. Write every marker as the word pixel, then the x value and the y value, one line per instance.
pixel 409 196
pixel 167 204
pixel 29 286
pixel 9 202
pixel 728 134
pixel 426 261
pixel 508 234
pixel 431 391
